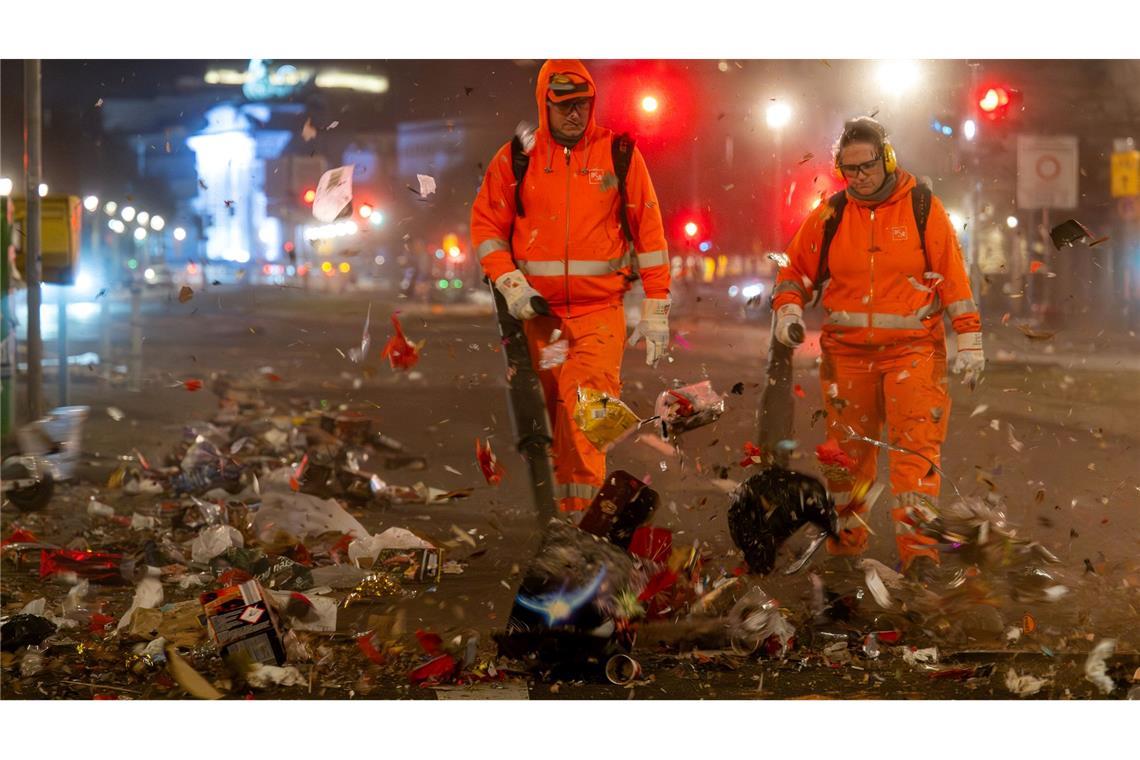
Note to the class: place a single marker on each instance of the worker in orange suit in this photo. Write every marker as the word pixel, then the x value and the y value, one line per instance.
pixel 559 234
pixel 883 343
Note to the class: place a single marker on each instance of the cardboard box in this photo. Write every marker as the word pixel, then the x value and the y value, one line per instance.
pixel 240 620
pixel 420 565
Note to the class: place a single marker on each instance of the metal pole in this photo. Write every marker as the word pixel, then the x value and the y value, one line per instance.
pixel 33 234
pixel 109 274
pixel 61 345
pixel 135 383
pixel 7 324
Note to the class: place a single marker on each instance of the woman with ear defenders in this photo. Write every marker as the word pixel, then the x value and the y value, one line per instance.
pixel 883 342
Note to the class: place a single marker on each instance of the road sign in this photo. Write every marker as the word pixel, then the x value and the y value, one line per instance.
pixel 1047 172
pixel 1126 174
pixel 60 217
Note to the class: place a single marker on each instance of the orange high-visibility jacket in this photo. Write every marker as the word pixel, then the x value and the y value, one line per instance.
pixel 570 245
pixel 879 293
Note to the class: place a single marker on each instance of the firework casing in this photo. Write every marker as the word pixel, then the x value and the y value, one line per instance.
pixel 622 505
pixel 622 669
pixel 240 620
pixel 688 408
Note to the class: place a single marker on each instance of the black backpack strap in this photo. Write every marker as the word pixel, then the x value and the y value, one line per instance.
pixel 519 163
pixel 838 202
pixel 920 200
pixel 622 149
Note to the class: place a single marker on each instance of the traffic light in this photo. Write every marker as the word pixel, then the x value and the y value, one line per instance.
pixel 996 102
pixel 310 195
pixel 691 229
pixel 650 104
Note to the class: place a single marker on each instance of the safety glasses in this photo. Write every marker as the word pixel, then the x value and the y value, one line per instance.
pixel 581 106
pixel 851 171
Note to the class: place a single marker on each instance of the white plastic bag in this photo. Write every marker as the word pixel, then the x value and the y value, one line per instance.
pixel 302 515
pixel 214 541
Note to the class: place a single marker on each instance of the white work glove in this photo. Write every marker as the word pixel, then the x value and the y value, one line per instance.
pixel 786 316
pixel 970 359
pixel 654 327
pixel 518 294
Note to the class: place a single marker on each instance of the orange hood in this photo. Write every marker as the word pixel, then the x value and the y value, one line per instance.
pixel 560 66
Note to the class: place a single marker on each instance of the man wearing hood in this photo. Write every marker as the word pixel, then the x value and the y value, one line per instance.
pixel 560 237
pixel 883 343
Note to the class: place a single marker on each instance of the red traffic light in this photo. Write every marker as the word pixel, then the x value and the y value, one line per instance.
pixel 650 104
pixel 691 229
pixel 996 102
pixel 310 194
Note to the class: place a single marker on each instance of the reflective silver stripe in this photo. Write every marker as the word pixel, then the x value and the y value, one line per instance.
pixel 931 308
pixel 958 308
pixel 488 247
pixel 787 285
pixel 574 491
pixel 575 267
pixel 652 259
pixel 885 321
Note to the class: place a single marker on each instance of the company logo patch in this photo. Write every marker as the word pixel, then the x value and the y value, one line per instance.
pixel 596 176
pixel 898 233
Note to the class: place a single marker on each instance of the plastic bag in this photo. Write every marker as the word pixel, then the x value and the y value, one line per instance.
pixel 393 538
pixel 303 516
pixel 214 541
pixel 148 594
pixel 755 618
pixel 688 408
pixel 604 420
pixel 555 352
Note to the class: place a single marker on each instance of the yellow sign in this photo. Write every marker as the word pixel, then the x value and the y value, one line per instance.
pixel 60 217
pixel 1126 174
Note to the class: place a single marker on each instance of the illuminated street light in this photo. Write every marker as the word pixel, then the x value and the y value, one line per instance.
pixel 1011 222
pixel 376 219
pixel 179 234
pixel 969 129
pixel 43 189
pixel 140 233
pixel 649 104
pixel 365 211
pixel 157 223
pixel 90 203
pixel 116 226
pixel 142 218
pixel 5 186
pixel 128 213
pixel 778 115
pixel 898 77
pixel 110 207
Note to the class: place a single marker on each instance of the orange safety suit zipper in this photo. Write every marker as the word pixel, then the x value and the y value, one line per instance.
pixel 566 255
pixel 871 294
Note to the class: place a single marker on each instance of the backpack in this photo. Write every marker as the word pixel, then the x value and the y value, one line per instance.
pixel 920 199
pixel 622 153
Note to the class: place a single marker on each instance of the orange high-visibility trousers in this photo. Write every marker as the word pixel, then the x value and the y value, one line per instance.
pixel 905 387
pixel 597 341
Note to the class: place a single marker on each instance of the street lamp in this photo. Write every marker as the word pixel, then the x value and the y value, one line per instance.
pixel 140 233
pixel 5 186
pixel 179 234
pixel 43 189
pixel 128 213
pixel 110 207
pixel 898 77
pixel 157 223
pixel 90 203
pixel 778 115
pixel 116 226
pixel 969 129
pixel 1011 222
pixel 142 218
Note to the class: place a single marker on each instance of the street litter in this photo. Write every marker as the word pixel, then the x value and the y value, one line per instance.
pixel 687 408
pixel 1071 231
pixel 771 506
pixel 604 420
pixel 1023 685
pixel 334 194
pixel 1095 668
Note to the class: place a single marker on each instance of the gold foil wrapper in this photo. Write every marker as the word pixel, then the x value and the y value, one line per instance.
pixel 375 587
pixel 604 419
